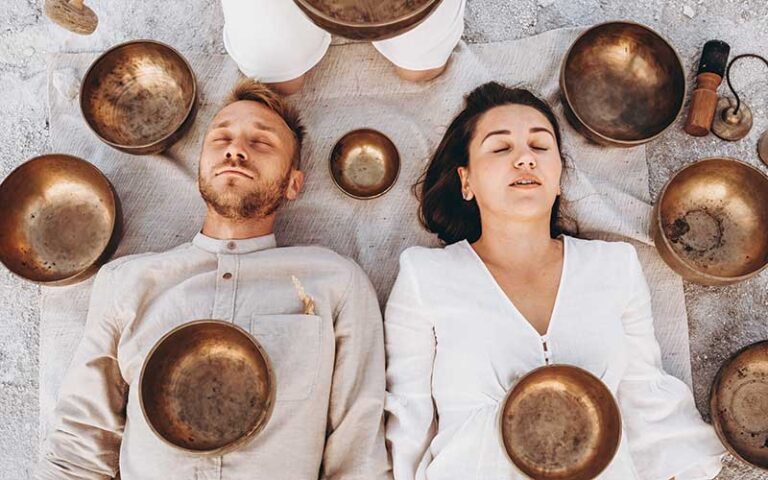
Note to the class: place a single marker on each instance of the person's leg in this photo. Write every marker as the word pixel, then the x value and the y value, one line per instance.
pixel 422 54
pixel 273 41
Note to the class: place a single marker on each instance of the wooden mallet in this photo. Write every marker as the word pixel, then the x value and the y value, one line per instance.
pixel 714 59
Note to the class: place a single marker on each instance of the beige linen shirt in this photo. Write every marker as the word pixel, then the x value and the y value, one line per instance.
pixel 327 422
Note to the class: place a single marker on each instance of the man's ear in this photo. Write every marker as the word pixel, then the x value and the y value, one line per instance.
pixel 295 184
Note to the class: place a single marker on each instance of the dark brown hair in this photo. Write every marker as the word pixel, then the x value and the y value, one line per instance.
pixel 442 209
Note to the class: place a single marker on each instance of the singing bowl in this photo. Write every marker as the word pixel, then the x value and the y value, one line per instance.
pixel 709 222
pixel 622 84
pixel 207 387
pixel 739 404
pixel 370 20
pixel 60 220
pixel 560 422
pixel 365 164
pixel 139 97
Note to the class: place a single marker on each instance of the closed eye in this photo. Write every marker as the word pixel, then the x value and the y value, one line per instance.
pixel 500 150
pixel 541 149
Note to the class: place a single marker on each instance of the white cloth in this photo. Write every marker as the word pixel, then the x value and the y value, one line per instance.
pixel 274 41
pixel 456 344
pixel 329 367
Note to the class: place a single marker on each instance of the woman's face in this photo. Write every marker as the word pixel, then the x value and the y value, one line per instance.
pixel 514 165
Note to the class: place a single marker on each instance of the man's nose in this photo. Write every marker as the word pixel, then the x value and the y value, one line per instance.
pixel 236 152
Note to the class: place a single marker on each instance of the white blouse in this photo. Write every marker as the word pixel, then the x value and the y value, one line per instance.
pixel 456 344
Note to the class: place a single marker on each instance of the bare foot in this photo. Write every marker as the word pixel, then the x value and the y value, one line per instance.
pixel 419 75
pixel 288 87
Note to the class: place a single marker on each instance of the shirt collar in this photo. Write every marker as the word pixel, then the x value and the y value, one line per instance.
pixel 234 247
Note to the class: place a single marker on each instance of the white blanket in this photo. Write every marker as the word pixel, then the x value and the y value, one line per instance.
pixel 607 188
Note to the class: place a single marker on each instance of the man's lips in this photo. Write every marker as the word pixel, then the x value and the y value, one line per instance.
pixel 234 172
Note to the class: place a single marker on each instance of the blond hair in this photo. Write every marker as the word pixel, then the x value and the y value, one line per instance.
pixel 252 90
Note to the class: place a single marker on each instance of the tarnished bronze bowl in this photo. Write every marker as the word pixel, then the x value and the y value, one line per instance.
pixel 560 422
pixel 59 220
pixel 207 387
pixel 365 164
pixel 622 84
pixel 367 19
pixel 739 404
pixel 709 222
pixel 139 97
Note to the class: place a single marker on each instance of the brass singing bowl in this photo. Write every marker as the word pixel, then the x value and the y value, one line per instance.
pixel 365 164
pixel 560 422
pixel 139 97
pixel 709 222
pixel 60 220
pixel 739 404
pixel 207 387
pixel 370 20
pixel 622 84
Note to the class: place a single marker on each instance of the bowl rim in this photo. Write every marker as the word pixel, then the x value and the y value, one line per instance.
pixel 336 181
pixel 569 103
pixel 658 224
pixel 113 224
pixel 248 436
pixel 366 26
pixel 190 106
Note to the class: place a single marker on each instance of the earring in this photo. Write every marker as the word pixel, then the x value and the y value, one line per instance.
pixel 467 195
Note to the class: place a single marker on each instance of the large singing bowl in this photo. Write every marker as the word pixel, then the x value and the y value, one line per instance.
pixel 139 97
pixel 709 222
pixel 59 220
pixel 560 422
pixel 207 388
pixel 367 19
pixel 622 84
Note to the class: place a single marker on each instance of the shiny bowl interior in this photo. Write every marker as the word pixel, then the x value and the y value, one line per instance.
pixel 365 164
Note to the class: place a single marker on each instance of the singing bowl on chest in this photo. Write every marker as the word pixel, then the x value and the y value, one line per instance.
pixel 207 387
pixel 60 220
pixel 622 84
pixel 367 19
pixel 139 97
pixel 560 422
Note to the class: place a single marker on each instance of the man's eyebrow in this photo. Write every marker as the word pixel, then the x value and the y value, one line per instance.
pixel 222 124
pixel 496 132
pixel 262 126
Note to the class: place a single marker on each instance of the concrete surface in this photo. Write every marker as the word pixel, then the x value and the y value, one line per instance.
pixel 721 319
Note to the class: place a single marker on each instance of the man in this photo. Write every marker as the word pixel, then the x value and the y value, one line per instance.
pixel 315 313
pixel 273 41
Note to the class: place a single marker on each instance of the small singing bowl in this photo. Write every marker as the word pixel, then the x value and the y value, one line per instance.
pixel 622 84
pixel 365 164
pixel 370 20
pixel 60 220
pixel 207 387
pixel 739 404
pixel 139 97
pixel 560 422
pixel 709 222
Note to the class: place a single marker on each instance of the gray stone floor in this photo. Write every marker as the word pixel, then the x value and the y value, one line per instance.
pixel 721 319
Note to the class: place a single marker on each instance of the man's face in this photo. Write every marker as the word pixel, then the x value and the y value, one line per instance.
pixel 246 163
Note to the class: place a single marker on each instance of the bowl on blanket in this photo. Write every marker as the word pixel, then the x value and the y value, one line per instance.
pixel 710 219
pixel 60 220
pixel 560 422
pixel 622 84
pixel 139 97
pixel 370 20
pixel 207 387
pixel 365 164
pixel 739 404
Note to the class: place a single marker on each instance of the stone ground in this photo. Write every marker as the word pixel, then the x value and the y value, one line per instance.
pixel 721 319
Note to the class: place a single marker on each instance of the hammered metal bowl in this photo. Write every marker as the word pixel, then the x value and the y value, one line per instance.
pixel 739 404
pixel 139 97
pixel 60 220
pixel 709 222
pixel 207 387
pixel 622 84
pixel 365 164
pixel 370 20
pixel 560 422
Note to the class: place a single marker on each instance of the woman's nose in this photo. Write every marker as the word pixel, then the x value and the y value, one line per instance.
pixel 525 160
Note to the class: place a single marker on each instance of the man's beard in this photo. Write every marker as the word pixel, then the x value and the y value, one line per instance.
pixel 262 201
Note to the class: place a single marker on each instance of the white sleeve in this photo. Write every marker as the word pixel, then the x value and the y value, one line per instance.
pixel 665 432
pixel 409 339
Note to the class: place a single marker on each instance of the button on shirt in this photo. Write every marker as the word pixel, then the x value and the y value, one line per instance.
pixel 327 422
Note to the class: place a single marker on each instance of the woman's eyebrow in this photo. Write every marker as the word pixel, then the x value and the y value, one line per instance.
pixel 496 132
pixel 541 129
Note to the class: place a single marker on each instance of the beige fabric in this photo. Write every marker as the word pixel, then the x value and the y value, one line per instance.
pixel 354 87
pixel 329 366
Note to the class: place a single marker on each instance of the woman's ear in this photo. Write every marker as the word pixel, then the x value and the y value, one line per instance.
pixel 466 191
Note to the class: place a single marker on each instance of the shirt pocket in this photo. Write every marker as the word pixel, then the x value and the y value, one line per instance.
pixel 293 345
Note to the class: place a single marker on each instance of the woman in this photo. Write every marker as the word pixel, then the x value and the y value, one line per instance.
pixel 509 293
